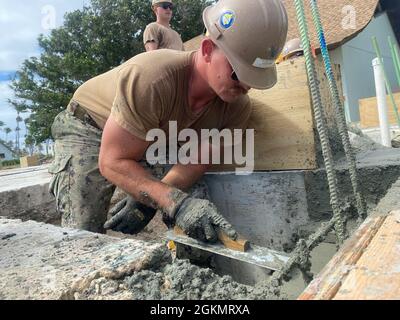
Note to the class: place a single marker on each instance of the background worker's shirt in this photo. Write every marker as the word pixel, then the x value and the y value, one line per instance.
pixel 165 38
pixel 151 89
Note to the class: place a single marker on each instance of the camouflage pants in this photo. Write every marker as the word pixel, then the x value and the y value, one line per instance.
pixel 82 194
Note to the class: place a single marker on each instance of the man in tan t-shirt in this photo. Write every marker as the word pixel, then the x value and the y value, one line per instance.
pixel 159 34
pixel 101 138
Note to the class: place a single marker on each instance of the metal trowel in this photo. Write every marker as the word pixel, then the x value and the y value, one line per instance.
pixel 239 249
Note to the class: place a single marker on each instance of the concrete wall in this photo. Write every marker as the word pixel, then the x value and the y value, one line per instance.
pixel 24 194
pixel 355 58
pixel 5 153
pixel 274 209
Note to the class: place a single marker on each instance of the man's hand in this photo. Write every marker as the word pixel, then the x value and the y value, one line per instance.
pixel 129 216
pixel 200 220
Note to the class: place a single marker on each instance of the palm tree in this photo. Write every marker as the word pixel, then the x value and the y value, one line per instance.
pixel 7 131
pixel 30 144
pixel 1 125
pixel 26 122
pixel 17 130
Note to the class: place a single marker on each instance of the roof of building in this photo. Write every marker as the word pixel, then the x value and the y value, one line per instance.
pixel 333 15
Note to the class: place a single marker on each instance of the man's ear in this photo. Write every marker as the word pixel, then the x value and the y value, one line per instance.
pixel 207 49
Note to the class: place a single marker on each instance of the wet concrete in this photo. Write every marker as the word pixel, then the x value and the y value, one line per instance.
pixel 390 202
pixel 179 280
pixel 320 256
pixel 377 171
pixel 375 133
pixel 362 143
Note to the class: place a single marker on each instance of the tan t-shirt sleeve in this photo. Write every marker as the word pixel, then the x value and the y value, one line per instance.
pixel 151 34
pixel 137 104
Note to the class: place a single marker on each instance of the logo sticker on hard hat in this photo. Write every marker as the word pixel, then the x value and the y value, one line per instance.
pixel 227 19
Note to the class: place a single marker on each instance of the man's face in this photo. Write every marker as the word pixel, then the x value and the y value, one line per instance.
pixel 164 10
pixel 222 78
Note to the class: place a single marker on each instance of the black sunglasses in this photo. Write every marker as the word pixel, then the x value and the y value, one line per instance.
pixel 166 5
pixel 234 76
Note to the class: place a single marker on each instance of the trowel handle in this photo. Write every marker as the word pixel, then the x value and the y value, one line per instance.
pixel 239 244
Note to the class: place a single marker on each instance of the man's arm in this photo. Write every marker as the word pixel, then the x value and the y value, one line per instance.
pixel 150 46
pixel 118 162
pixel 184 176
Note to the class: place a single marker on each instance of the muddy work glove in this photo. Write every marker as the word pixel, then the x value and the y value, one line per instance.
pixel 200 219
pixel 129 216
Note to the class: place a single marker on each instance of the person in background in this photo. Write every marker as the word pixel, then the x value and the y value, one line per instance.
pixel 159 34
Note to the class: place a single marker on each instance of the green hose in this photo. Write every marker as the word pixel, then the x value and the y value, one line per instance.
pixel 396 59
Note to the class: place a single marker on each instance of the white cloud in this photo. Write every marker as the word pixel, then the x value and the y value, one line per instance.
pixel 5 91
pixel 21 22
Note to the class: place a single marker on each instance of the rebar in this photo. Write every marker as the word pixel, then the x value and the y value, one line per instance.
pixel 339 112
pixel 321 125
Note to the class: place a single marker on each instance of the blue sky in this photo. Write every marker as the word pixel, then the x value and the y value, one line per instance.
pixel 21 22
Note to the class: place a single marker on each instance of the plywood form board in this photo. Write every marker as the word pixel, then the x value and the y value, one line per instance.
pixel 366 268
pixel 283 122
pixel 326 285
pixel 285 135
pixel 376 276
pixel 369 116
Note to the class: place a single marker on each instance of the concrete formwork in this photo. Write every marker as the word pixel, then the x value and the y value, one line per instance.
pixel 265 207
pixel 271 209
pixel 275 209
